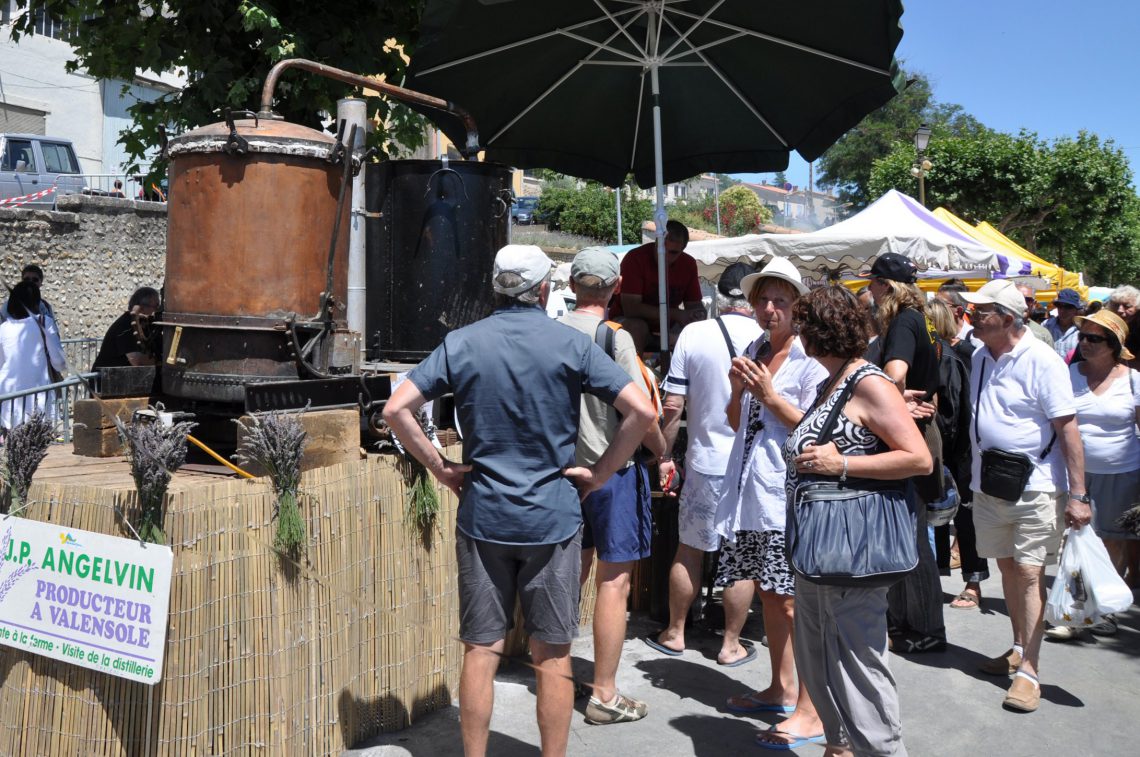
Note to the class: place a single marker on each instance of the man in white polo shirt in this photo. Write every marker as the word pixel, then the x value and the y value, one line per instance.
pixel 1024 419
pixel 698 376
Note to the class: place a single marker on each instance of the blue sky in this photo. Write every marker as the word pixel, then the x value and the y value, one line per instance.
pixel 1049 66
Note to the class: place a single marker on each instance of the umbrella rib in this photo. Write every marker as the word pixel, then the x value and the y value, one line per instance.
pixel 599 46
pixel 691 50
pixel 684 37
pixel 510 46
pixel 637 123
pixel 732 88
pixel 618 26
pixel 558 83
pixel 787 43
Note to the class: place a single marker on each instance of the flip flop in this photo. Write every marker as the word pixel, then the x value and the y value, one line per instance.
pixel 749 656
pixel 652 641
pixel 757 705
pixel 796 742
pixel 966 596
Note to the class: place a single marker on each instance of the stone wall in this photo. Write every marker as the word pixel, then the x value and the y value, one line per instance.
pixel 95 251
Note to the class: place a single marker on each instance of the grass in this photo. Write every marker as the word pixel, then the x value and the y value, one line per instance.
pixel 555 240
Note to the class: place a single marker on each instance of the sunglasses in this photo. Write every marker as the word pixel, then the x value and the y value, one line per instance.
pixel 33 279
pixel 1092 338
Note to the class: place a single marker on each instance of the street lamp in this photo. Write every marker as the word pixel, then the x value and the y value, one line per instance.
pixel 921 164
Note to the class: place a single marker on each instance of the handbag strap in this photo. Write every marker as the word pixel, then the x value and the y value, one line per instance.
pixel 828 427
pixel 978 411
pixel 727 338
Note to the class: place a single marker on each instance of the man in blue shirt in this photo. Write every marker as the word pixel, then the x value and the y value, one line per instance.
pixel 517 377
pixel 1063 326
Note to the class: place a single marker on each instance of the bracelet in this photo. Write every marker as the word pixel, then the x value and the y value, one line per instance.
pixel 843 475
pixel 665 459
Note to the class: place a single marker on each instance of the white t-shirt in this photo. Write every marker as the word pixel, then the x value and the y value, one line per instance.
pixel 699 372
pixel 1108 422
pixel 1023 392
pixel 753 496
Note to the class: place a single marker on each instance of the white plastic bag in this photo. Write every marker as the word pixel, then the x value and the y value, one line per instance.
pixel 1087 586
pixel 1106 588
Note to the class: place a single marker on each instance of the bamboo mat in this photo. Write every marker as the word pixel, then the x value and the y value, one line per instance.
pixel 261 656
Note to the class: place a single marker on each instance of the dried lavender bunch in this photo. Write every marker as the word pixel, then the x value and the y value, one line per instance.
pixel 1130 520
pixel 276 442
pixel 155 451
pixel 24 449
pixel 423 500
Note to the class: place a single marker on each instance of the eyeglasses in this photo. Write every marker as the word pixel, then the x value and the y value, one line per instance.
pixel 1091 338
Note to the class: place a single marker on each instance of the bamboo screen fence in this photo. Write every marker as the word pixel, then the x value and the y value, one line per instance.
pixel 261 657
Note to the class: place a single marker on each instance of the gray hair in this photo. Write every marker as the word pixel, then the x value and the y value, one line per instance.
pixel 510 279
pixel 724 303
pixel 1018 318
pixel 1122 295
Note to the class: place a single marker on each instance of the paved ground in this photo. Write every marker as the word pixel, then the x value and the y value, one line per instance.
pixel 1091 698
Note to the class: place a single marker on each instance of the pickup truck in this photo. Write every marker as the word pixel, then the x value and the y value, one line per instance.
pixel 32 163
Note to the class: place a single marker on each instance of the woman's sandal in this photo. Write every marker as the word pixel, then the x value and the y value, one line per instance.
pixel 966 599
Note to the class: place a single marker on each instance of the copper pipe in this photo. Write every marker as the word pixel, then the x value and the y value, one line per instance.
pixel 391 90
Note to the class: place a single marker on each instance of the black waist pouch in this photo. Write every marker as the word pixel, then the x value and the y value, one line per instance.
pixel 1005 474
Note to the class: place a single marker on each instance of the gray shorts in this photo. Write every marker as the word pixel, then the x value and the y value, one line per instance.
pixel 545 578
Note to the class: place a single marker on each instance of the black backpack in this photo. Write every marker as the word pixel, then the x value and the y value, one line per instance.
pixel 955 414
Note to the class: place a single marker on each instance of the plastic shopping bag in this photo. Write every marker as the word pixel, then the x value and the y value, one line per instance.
pixel 1106 588
pixel 1087 586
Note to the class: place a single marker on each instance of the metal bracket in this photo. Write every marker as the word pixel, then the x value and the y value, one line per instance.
pixel 237 144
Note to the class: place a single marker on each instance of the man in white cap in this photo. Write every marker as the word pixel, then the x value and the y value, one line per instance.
pixel 517 377
pixel 1025 424
pixel 619 516
pixel 698 377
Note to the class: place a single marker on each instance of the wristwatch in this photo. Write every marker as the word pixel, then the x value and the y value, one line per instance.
pixel 1083 498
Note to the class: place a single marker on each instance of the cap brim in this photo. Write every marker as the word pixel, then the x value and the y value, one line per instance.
pixel 749 281
pixel 977 299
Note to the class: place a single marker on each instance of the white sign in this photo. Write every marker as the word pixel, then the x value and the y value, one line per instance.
pixel 89 599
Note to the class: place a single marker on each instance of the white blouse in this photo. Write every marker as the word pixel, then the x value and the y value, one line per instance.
pixel 752 497
pixel 1108 422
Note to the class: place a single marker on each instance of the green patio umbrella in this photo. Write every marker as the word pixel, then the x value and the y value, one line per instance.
pixel 662 89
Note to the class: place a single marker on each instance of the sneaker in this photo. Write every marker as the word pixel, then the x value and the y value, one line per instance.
pixel 1106 627
pixel 1062 633
pixel 621 710
pixel 1003 664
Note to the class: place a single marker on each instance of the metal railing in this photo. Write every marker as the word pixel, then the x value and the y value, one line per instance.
pixel 56 400
pixel 80 353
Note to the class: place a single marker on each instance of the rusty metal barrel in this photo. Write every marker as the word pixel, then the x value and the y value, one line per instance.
pixel 252 209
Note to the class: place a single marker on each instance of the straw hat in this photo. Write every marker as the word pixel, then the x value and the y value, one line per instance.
pixel 777 268
pixel 1112 323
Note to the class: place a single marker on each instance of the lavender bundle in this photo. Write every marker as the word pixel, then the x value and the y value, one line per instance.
pixel 276 442
pixel 155 451
pixel 24 449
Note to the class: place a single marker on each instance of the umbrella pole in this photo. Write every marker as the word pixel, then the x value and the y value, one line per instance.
pixel 659 218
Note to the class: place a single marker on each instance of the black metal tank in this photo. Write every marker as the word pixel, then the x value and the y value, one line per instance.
pixel 431 251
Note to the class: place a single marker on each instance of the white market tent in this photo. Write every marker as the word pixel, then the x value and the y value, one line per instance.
pixel 893 223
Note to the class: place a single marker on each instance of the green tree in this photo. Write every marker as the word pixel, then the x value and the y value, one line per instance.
pixel 780 179
pixel 1071 200
pixel 591 211
pixel 740 211
pixel 846 166
pixel 227 47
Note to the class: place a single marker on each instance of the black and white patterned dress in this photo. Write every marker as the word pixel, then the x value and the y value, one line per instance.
pixel 850 438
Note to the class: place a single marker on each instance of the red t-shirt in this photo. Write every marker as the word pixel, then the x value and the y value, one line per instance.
pixel 639 276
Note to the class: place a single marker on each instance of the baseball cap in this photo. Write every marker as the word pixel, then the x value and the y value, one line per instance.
pixel 998 292
pixel 1068 297
pixel 596 261
pixel 729 283
pixel 526 260
pixel 893 266
pixel 777 268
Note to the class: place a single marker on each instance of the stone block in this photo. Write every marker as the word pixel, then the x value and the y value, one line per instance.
pixel 99 414
pixel 333 436
pixel 96 442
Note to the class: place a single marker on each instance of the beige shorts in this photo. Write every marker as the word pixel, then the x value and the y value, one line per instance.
pixel 1028 530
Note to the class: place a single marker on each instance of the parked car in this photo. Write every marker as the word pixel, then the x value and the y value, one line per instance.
pixel 32 163
pixel 523 210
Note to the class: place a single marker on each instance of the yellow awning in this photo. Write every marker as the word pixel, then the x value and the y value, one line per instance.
pixel 988 235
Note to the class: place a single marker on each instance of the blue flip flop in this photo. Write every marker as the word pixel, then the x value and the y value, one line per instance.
pixel 796 742
pixel 756 705
pixel 652 641
pixel 748 657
